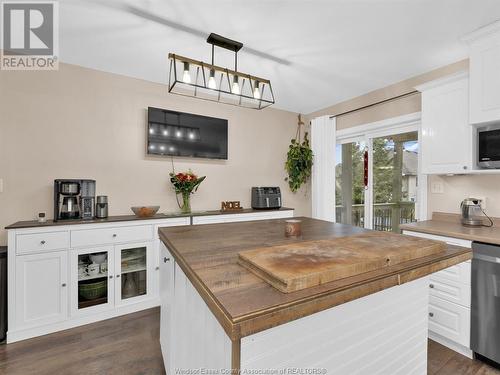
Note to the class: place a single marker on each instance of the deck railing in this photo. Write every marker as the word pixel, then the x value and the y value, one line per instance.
pixel 383 214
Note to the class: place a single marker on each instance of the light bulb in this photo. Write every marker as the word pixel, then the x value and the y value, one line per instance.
pixel 256 91
pixel 191 135
pixel 165 133
pixel 151 131
pixel 236 87
pixel 211 80
pixel 186 77
pixel 178 134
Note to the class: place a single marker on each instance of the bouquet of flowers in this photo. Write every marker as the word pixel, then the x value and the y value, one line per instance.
pixel 185 184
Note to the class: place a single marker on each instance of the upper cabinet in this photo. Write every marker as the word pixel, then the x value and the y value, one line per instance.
pixel 484 69
pixel 446 139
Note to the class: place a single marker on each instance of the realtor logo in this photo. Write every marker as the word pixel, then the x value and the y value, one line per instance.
pixel 29 35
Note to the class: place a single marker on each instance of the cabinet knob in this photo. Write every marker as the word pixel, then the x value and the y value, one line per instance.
pixel 465 167
pixel 114 235
pixel 63 285
pixel 42 242
pixel 157 268
pixel 117 276
pixel 431 286
pixel 431 314
pixel 165 260
pixel 110 276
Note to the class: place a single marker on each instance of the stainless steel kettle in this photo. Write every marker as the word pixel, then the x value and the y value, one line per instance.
pixel 472 212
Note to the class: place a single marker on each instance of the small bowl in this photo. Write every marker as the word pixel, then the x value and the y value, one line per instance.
pixel 145 211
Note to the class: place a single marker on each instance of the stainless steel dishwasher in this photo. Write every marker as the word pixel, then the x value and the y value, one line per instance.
pixel 485 304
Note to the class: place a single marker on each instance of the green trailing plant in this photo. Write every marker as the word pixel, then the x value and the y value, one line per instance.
pixel 299 161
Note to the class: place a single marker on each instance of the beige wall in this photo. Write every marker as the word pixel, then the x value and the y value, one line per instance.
pixel 82 123
pixel 456 188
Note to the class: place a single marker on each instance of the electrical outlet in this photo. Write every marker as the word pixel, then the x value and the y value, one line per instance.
pixel 437 187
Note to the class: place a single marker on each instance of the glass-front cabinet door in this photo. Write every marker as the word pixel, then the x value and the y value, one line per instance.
pixel 92 286
pixel 133 264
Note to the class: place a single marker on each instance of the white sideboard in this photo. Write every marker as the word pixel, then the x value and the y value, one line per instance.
pixel 449 300
pixel 44 284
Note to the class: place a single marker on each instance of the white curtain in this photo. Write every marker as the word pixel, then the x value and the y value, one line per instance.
pixel 323 171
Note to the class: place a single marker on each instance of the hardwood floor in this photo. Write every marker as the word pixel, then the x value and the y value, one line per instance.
pixel 444 361
pixel 129 345
pixel 123 345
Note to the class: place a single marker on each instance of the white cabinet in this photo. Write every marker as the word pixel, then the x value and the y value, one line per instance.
pixel 450 300
pixel 230 218
pixel 167 266
pixel 484 67
pixel 41 289
pixel 447 137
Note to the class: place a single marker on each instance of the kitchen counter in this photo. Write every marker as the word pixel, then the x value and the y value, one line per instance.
pixel 449 225
pixel 244 304
pixel 122 218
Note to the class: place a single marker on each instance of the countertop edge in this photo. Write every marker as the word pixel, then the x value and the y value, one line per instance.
pixel 449 233
pixel 258 321
pixel 124 218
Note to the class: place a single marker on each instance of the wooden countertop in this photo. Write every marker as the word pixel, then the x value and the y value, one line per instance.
pixel 244 304
pixel 121 218
pixel 444 224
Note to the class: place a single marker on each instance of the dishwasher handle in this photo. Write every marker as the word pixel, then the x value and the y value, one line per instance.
pixel 486 258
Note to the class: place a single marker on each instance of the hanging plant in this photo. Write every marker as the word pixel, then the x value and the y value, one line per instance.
pixel 299 160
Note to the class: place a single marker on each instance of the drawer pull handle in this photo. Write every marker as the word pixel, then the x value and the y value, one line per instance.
pixel 114 235
pixel 157 268
pixel 63 285
pixel 42 242
pixel 431 314
pixel 431 286
pixel 165 260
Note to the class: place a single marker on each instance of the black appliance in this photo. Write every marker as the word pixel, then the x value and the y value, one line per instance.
pixel 485 302
pixel 173 133
pixel 488 146
pixel 266 197
pixel 74 199
pixel 3 293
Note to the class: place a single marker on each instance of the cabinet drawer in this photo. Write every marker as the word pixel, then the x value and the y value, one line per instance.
pixel 93 237
pixel 459 273
pixel 449 240
pixel 37 242
pixel 450 291
pixel 450 320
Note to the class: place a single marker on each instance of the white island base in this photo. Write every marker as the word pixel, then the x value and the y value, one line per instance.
pixel 383 333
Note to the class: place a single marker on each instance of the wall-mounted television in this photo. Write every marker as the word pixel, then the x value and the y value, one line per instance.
pixel 173 133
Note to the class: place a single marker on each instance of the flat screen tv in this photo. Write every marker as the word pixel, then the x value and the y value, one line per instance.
pixel 173 133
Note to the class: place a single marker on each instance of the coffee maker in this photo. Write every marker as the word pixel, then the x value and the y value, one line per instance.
pixel 74 199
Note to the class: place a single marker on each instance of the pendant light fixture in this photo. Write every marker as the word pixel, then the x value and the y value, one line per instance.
pixel 215 83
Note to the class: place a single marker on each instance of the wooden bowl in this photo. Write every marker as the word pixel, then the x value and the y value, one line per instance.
pixel 145 211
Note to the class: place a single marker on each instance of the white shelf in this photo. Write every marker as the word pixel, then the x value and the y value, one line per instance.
pixel 98 276
pixel 138 268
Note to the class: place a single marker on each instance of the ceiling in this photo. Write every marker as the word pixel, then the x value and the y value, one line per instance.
pixel 316 53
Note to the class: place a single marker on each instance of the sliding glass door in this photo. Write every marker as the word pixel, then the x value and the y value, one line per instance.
pixel 376 179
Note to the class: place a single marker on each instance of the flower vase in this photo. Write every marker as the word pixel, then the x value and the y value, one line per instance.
pixel 186 203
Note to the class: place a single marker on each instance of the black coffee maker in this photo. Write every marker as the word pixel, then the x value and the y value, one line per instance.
pixel 74 199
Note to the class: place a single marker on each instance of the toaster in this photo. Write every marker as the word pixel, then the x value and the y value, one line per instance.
pixel 266 197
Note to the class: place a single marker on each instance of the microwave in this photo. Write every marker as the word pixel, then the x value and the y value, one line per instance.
pixel 488 146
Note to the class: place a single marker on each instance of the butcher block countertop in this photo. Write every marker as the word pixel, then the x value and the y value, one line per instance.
pixel 449 225
pixel 245 304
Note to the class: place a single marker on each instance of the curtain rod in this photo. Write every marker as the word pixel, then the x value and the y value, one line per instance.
pixel 376 103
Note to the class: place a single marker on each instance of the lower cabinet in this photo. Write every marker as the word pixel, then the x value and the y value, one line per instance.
pixel 41 289
pixel 103 278
pixel 449 300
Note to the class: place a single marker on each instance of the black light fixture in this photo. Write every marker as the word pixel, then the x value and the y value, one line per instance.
pixel 215 83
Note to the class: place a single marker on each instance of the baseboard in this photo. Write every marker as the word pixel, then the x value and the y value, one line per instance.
pixel 13 336
pixel 451 344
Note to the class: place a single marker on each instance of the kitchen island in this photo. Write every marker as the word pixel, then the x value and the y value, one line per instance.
pixel 218 315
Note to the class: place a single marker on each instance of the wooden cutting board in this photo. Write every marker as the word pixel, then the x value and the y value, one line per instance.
pixel 301 265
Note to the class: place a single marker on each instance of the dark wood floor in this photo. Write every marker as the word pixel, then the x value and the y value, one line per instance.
pixel 129 345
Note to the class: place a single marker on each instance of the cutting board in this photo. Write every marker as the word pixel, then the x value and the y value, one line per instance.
pixel 306 264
